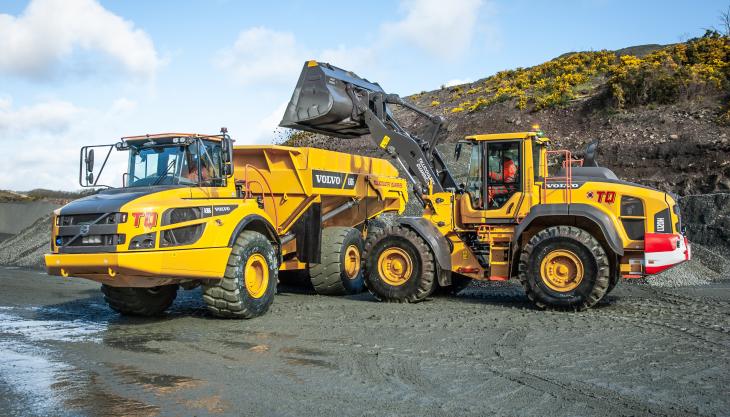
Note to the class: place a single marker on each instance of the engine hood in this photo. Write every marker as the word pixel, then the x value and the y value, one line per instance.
pixel 109 201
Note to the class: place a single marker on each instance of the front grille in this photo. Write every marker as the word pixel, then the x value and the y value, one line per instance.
pixel 82 219
pixel 89 232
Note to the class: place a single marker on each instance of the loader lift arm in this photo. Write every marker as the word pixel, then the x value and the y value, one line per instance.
pixel 335 102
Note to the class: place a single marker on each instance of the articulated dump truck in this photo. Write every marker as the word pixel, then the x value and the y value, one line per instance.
pixel 196 211
pixel 568 229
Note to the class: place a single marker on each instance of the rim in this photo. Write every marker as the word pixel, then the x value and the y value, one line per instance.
pixel 352 261
pixel 256 275
pixel 562 270
pixel 395 266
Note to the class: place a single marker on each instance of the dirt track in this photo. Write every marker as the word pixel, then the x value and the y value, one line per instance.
pixel 648 351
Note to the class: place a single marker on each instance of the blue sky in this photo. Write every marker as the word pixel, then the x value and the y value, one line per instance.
pixel 76 72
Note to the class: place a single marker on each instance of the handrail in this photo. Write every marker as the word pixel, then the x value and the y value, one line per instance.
pixel 249 193
pixel 567 164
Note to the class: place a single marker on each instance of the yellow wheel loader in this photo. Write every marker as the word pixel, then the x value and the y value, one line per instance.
pixel 196 211
pixel 565 227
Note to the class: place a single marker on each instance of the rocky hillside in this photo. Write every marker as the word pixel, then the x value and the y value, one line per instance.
pixel 661 114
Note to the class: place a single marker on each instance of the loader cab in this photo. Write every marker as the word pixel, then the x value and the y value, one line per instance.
pixel 499 168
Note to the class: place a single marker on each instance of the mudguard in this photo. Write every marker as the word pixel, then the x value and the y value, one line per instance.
pixel 438 243
pixel 257 223
pixel 576 210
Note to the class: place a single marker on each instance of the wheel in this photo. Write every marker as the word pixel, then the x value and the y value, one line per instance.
pixel 139 301
pixel 458 283
pixel 399 266
pixel 564 267
pixel 247 289
pixel 340 271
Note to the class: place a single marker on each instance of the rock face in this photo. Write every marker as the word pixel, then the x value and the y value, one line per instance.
pixel 707 218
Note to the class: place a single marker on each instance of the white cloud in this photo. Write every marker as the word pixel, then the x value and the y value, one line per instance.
pixel 456 81
pixel 36 43
pixel 444 28
pixel 49 116
pixel 267 130
pixel 263 55
pixel 40 142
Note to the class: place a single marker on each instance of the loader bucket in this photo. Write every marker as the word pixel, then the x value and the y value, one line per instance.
pixel 321 103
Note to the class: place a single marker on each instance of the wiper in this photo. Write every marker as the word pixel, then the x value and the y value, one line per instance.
pixel 167 171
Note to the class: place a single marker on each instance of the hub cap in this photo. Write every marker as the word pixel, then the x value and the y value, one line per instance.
pixel 256 275
pixel 352 261
pixel 561 270
pixel 395 266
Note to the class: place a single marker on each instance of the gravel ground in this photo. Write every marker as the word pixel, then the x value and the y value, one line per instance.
pixel 644 351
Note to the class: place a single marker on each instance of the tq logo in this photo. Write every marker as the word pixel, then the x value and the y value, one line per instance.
pixel 148 219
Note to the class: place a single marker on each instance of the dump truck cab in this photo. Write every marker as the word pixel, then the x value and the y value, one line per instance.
pixel 195 211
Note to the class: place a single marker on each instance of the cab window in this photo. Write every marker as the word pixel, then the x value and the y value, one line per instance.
pixel 474 177
pixel 503 172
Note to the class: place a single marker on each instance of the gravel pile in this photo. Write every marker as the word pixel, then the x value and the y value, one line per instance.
pixel 26 249
pixel 707 265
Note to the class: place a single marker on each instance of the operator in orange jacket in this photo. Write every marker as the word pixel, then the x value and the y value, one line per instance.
pixel 507 176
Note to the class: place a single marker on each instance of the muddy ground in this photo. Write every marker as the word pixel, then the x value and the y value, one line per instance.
pixel 645 351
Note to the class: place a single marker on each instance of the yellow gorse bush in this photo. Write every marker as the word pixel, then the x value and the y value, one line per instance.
pixel 660 77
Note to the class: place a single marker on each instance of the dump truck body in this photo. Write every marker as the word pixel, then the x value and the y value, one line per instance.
pixel 165 228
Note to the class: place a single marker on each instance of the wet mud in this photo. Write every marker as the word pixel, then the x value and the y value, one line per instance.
pixel 643 351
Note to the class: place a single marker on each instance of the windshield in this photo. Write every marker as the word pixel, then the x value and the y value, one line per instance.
pixel 189 164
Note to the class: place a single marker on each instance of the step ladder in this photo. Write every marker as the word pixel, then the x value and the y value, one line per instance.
pixel 500 251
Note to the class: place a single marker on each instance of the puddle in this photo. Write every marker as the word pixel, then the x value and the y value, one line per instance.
pixel 291 360
pixel 45 386
pixel 237 344
pixel 259 348
pixel 158 384
pixel 270 335
pixel 137 343
pixel 212 404
pixel 76 330
pixel 304 351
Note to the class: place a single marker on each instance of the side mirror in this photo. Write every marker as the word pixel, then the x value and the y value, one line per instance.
pixel 457 151
pixel 90 178
pixel 227 155
pixel 90 162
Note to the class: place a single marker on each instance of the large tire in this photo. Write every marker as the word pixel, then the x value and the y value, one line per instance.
pixel 340 271
pixel 399 266
pixel 615 278
pixel 249 284
pixel 139 301
pixel 564 267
